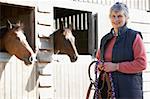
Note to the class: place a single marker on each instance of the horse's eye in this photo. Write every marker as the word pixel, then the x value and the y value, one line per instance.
pixel 18 38
pixel 66 42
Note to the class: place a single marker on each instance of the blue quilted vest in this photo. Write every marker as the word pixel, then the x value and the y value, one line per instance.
pixel 127 86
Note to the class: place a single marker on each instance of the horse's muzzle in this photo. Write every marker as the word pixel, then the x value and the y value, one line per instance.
pixel 74 58
pixel 30 60
pixel 33 58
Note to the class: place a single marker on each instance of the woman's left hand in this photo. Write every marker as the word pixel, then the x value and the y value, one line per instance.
pixel 110 67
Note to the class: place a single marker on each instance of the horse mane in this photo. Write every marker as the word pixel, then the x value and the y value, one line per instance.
pixel 56 31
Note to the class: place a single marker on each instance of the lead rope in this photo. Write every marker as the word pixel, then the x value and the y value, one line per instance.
pixel 96 81
pixel 112 86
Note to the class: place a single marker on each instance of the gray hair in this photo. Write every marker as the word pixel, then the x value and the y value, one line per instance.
pixel 120 7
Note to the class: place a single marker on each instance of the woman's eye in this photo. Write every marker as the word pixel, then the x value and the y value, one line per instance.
pixel 113 16
pixel 119 16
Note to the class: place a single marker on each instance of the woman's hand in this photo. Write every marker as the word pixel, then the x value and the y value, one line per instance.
pixel 110 67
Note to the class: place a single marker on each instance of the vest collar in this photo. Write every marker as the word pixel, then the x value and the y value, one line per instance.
pixel 121 30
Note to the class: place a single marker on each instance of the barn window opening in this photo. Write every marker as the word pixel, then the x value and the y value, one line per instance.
pixel 24 14
pixel 81 24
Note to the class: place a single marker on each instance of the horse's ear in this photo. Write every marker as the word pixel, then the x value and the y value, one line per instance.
pixel 20 24
pixel 9 25
pixel 61 25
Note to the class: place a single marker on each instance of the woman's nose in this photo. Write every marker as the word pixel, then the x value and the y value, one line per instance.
pixel 116 18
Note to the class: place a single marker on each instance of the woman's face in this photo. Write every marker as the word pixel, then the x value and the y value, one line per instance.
pixel 118 19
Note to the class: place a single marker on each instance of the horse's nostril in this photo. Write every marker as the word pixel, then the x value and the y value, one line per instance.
pixel 74 58
pixel 30 59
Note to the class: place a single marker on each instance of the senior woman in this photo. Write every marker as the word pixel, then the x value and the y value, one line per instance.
pixel 123 54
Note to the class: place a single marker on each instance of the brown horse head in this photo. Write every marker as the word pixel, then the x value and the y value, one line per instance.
pixel 15 43
pixel 64 43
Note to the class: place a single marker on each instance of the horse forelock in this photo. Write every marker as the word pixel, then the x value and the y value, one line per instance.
pixel 68 34
pixel 17 28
